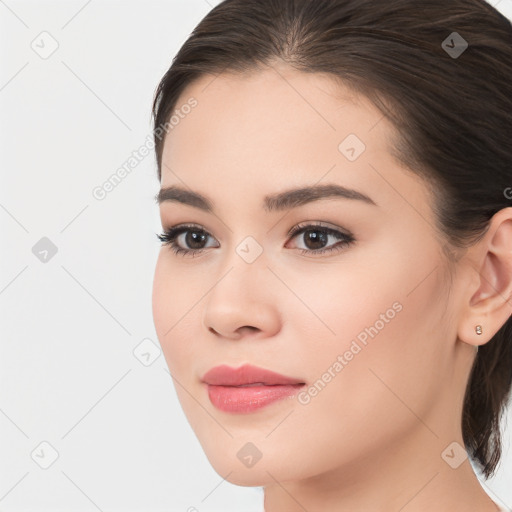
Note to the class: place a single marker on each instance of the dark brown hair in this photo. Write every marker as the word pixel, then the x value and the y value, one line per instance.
pixel 451 107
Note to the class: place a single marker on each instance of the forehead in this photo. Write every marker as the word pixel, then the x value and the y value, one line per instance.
pixel 275 98
pixel 268 117
pixel 273 129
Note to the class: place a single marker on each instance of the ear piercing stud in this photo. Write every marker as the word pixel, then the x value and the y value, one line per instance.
pixel 478 329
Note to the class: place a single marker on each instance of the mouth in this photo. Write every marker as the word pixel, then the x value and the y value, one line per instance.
pixel 247 388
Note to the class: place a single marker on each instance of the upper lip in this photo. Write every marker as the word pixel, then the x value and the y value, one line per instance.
pixel 224 375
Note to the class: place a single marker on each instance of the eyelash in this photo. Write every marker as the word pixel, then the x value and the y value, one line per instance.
pixel 168 237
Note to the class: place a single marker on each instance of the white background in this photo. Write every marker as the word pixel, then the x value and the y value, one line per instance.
pixel 69 327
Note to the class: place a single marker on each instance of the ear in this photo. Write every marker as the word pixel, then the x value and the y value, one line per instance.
pixel 488 295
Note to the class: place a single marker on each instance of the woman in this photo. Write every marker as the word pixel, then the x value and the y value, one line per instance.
pixel 332 294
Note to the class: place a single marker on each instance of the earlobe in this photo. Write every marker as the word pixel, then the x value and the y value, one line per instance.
pixel 490 306
pixel 475 334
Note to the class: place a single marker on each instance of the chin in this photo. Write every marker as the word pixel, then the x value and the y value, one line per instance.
pixel 233 468
pixel 248 478
pixel 230 465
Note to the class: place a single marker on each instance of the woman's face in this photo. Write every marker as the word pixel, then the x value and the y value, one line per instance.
pixel 367 325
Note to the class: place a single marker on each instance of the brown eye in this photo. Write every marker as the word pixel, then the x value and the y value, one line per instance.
pixel 192 237
pixel 315 238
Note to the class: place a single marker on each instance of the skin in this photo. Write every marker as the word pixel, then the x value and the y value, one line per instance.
pixel 373 437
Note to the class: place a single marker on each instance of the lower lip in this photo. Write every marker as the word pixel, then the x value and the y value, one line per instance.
pixel 246 399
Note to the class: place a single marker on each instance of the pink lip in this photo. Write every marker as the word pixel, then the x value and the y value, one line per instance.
pixel 247 388
pixel 246 374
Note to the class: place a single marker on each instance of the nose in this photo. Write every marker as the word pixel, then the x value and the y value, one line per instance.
pixel 243 303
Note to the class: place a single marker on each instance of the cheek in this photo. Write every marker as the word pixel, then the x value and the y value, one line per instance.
pixel 166 307
pixel 176 303
pixel 372 354
pixel 159 300
pixel 331 308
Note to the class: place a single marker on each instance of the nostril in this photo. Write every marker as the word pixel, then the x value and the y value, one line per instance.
pixel 250 328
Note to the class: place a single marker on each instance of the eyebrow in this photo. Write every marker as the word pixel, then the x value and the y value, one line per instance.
pixel 278 202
